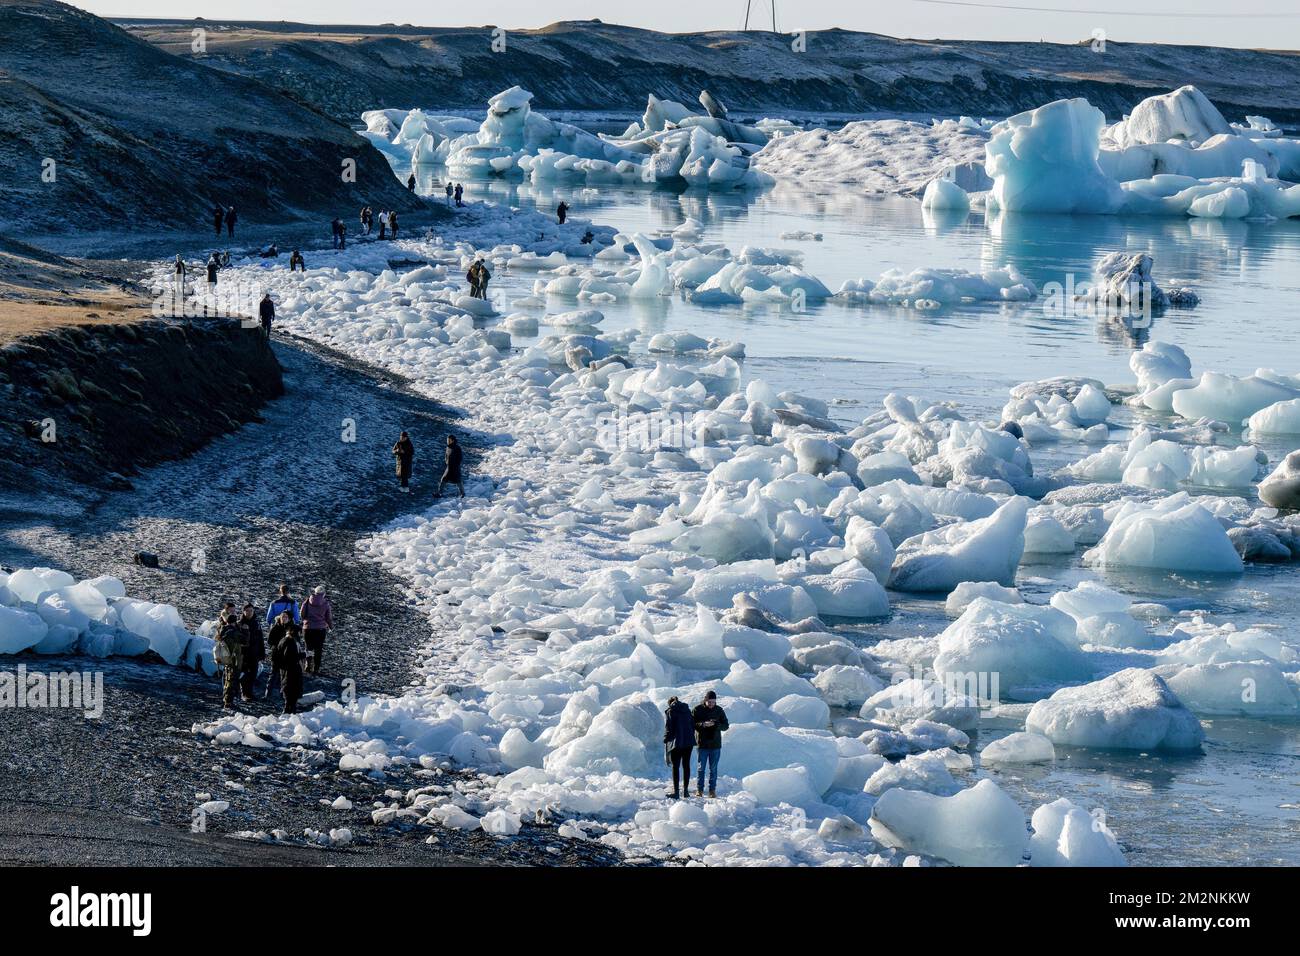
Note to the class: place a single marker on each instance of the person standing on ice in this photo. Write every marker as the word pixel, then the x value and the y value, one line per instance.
pixel 451 469
pixel 710 722
pixel 472 278
pixel 404 452
pixel 679 738
pixel 410 182
pixel 214 265
pixel 448 190
pixel 460 191
pixel 230 222
pixel 296 261
pixel 318 618
pixel 392 224
pixel 266 312
pixel 218 217
pixel 287 656
pixel 562 211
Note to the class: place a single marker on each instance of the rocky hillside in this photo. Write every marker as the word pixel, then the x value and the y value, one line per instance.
pixel 343 70
pixel 140 138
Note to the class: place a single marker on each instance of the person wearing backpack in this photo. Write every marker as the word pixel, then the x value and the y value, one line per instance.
pixel 287 655
pixel 679 740
pixel 229 651
pixel 317 619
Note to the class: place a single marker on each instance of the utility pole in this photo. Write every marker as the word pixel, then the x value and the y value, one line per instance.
pixel 749 4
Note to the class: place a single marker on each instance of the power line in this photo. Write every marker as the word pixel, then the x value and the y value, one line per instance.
pixel 1115 13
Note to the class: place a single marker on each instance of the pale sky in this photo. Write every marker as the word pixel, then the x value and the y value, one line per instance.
pixel 1273 24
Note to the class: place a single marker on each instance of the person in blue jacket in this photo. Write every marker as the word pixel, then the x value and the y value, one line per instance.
pixel 282 603
pixel 679 739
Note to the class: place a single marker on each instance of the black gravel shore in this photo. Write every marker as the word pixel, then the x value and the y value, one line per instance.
pixel 285 499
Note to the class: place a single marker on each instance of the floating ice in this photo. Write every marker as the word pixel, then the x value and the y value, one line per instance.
pixel 1172 534
pixel 983 550
pixel 1018 748
pixel 1025 645
pixel 980 826
pixel 1132 709
pixel 1067 835
pixel 1240 688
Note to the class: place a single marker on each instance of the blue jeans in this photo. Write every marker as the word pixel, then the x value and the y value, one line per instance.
pixel 708 758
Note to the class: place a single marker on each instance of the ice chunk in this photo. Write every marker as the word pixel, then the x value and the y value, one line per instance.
pixel 1022 644
pixel 1281 488
pixel 1280 418
pixel 782 785
pixel 799 710
pixel 845 685
pixel 749 748
pixel 767 682
pixel 1067 835
pixel 919 699
pixel 1185 114
pixel 980 826
pixel 946 195
pixel 1133 709
pixel 1020 747
pixel 20 630
pixel 968 591
pixel 983 550
pixel 28 584
pixel 1172 534
pixel 1243 688
pixel 1228 398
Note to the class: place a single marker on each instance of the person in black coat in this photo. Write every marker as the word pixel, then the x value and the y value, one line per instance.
pixel 266 312
pixel 218 217
pixel 451 472
pixel 679 739
pixel 710 721
pixel 230 222
pixel 287 656
pixel 255 653
pixel 404 452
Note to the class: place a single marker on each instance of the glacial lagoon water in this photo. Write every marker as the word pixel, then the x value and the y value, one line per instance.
pixel 1237 803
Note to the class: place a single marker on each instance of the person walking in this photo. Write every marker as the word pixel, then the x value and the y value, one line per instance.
pixel 460 191
pixel 404 452
pixel 562 211
pixel 254 652
pixel 448 191
pixel 296 261
pixel 710 722
pixel 283 602
pixel 287 656
pixel 317 618
pixel 283 605
pixel 266 312
pixel 451 468
pixel 230 222
pixel 679 738
pixel 218 217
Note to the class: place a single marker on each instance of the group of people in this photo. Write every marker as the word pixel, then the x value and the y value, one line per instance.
pixel 387 223
pixel 294 640
pixel 478 277
pixel 404 455
pixel 224 215
pixel 700 729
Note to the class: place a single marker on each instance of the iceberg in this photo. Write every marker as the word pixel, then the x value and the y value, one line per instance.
pixel 1172 534
pixel 980 826
pixel 988 549
pixel 1132 709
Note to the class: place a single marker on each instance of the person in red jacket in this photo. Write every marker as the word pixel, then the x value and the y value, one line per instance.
pixel 317 620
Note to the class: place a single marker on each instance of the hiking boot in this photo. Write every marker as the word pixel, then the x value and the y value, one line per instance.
pixel 674 795
pixel 713 794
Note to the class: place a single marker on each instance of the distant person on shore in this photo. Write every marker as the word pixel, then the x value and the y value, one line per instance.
pixel 410 182
pixel 679 739
pixel 562 211
pixel 448 190
pixel 283 602
pixel 404 453
pixel 392 223
pixel 230 222
pixel 284 609
pixel 218 217
pixel 287 656
pixel 483 277
pixel 710 722
pixel 336 232
pixel 179 280
pixel 472 277
pixel 451 467
pixel 214 266
pixel 296 261
pixel 266 312
pixel 254 654
pixel 317 618
pixel 383 224
pixel 460 191
pixel 366 220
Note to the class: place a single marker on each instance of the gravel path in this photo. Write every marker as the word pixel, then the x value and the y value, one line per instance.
pixel 281 500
